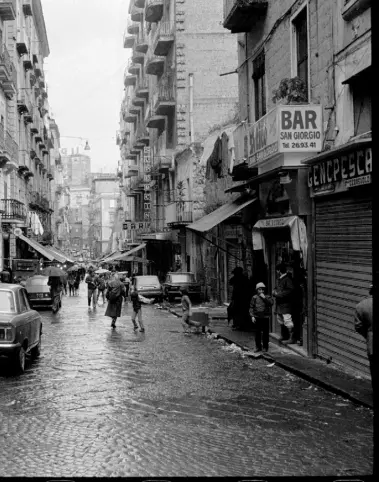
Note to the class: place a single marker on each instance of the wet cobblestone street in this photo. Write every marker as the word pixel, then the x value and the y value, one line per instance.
pixel 103 402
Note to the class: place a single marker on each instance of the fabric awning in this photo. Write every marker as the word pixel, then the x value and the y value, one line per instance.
pixel 221 214
pixel 38 247
pixel 59 257
pixel 57 250
pixel 298 233
pixel 122 256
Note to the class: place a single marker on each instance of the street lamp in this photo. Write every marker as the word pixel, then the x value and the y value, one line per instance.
pixel 86 147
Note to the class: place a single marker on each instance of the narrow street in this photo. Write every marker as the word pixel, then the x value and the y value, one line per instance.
pixel 103 402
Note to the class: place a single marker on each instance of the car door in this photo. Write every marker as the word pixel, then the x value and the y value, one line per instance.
pixel 34 319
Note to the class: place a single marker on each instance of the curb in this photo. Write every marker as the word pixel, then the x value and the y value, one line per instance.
pixel 299 373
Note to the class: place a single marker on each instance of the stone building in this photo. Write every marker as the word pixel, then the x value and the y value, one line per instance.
pixel 304 71
pixel 26 141
pixel 174 95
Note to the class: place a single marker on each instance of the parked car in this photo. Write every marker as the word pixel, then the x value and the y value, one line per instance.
pixel 39 292
pixel 148 286
pixel 175 281
pixel 20 326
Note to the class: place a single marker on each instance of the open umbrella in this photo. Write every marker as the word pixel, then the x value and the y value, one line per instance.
pixel 73 268
pixel 54 271
pixel 102 271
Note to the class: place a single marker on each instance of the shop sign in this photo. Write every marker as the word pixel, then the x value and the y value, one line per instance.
pixel 133 226
pixel 341 173
pixel 287 128
pixel 147 181
pixel 273 222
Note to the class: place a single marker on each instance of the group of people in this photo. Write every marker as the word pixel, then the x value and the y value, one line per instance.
pixel 247 308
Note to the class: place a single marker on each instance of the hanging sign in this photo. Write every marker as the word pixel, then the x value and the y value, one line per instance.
pixel 147 181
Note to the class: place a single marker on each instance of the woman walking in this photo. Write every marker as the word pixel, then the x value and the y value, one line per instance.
pixel 115 293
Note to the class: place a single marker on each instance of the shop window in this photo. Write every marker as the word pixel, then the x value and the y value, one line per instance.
pixel 259 79
pixel 361 90
pixel 300 46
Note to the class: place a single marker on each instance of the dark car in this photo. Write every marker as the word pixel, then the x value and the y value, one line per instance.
pixel 175 281
pixel 20 326
pixel 148 286
pixel 39 292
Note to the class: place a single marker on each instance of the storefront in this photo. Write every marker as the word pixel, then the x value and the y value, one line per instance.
pixel 340 186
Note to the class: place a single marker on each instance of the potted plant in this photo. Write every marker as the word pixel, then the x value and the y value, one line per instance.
pixel 291 91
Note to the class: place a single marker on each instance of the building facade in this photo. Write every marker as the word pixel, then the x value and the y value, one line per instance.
pixel 26 140
pixel 174 95
pixel 305 104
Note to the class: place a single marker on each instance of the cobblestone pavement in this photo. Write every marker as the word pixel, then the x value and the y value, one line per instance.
pixel 117 403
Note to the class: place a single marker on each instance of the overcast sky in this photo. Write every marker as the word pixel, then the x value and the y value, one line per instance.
pixel 84 73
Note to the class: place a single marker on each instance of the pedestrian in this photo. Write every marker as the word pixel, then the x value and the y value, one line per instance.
pixel 92 283
pixel 187 312
pixel 126 282
pixel 137 310
pixel 363 325
pixel 260 311
pixel 55 284
pixel 114 295
pixel 101 288
pixel 239 308
pixel 283 294
pixel 76 284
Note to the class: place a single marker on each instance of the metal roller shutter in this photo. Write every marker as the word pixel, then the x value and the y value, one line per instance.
pixel 343 272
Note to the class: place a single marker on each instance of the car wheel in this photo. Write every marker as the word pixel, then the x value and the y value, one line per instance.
pixel 36 351
pixel 20 360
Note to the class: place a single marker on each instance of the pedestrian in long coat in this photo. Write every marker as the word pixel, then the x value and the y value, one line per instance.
pixel 114 295
pixel 240 304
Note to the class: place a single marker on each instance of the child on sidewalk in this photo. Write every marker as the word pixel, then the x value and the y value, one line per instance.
pixel 260 312
pixel 187 313
pixel 137 310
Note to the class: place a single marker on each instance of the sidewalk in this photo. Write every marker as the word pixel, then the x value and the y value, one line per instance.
pixel 358 390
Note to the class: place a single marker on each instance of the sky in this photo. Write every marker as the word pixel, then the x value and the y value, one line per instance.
pixel 84 74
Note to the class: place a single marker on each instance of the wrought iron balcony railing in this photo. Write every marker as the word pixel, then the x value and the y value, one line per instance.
pixel 179 213
pixel 12 209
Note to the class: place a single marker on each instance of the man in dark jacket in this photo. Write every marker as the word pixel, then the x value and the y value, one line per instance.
pixel 363 326
pixel 115 293
pixel 92 283
pixel 283 294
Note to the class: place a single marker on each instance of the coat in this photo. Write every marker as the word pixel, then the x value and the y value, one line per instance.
pixel 363 322
pixel 261 307
pixel 284 294
pixel 241 296
pixel 114 307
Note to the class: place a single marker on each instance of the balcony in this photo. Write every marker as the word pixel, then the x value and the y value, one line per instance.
pixel 179 213
pixel 153 120
pixel 28 116
pixel 132 171
pixel 138 57
pixel 34 128
pixel 22 43
pixel 164 38
pixel 353 8
pixel 142 41
pixel 32 78
pixel 129 79
pixel 8 150
pixel 8 73
pixel 153 10
pixel 27 8
pixel 142 88
pixel 134 109
pixel 154 64
pixel 239 14
pixel 132 27
pixel 22 102
pixel 37 69
pixel 8 9
pixel 143 136
pixel 129 117
pixel 164 97
pixel 129 40
pixel 13 211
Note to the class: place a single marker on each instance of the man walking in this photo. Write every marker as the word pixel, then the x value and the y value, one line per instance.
pixel 101 288
pixel 137 310
pixel 92 283
pixel 115 293
pixel 283 294
pixel 363 326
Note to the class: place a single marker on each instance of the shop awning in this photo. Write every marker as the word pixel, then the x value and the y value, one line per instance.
pixel 241 186
pixel 358 143
pixel 58 256
pixel 122 256
pixel 221 214
pixel 38 247
pixel 298 234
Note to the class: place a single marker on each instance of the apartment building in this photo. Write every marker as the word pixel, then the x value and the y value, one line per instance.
pixel 304 71
pixel 25 137
pixel 174 95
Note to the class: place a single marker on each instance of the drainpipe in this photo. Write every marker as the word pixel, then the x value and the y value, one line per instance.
pixel 192 128
pixel 247 83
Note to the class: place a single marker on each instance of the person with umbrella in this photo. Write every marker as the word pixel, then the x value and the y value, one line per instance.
pixel 115 293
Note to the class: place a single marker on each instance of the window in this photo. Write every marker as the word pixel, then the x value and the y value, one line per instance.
pixel 361 90
pixel 300 28
pixel 259 78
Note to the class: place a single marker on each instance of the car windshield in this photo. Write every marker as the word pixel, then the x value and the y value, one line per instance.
pixel 7 304
pixel 148 281
pixel 183 278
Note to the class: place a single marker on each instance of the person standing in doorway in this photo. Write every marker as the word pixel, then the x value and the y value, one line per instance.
pixel 137 310
pixel 363 325
pixel 283 294
pixel 260 311
pixel 92 283
pixel 114 295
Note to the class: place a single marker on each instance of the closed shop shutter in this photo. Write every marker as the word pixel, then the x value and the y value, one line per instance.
pixel 233 262
pixel 343 273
